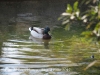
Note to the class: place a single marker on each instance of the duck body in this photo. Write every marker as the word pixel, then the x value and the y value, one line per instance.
pixel 41 33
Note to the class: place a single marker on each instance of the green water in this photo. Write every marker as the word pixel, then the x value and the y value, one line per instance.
pixel 20 54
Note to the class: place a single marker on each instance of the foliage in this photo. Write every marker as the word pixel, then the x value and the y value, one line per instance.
pixel 77 49
pixel 89 17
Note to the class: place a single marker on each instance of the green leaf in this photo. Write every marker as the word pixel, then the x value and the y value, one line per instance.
pixel 65 22
pixel 88 1
pixel 99 10
pixel 86 33
pixel 83 2
pixel 92 18
pixel 69 8
pixel 89 25
pixel 93 12
pixel 75 6
pixel 61 17
pixel 97 26
pixel 67 27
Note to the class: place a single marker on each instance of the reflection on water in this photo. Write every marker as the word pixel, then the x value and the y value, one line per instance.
pixel 25 55
pixel 40 41
pixel 22 57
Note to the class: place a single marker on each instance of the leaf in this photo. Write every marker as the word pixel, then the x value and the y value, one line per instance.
pixel 77 13
pixel 67 27
pixel 65 22
pixel 92 18
pixel 86 33
pixel 75 6
pixel 97 26
pixel 83 1
pixel 99 11
pixel 83 17
pixel 69 8
pixel 85 20
pixel 89 25
pixel 61 17
pixel 99 31
pixel 90 65
pixel 65 14
pixel 93 12
pixel 88 1
pixel 72 17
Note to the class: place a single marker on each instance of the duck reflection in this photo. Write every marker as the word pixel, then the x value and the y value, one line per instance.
pixel 40 41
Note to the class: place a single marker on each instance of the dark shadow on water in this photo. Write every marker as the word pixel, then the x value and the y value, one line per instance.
pixel 40 41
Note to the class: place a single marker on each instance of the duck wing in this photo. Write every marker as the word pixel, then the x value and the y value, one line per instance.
pixel 37 29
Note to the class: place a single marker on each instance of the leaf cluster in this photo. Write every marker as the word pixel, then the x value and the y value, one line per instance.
pixel 89 17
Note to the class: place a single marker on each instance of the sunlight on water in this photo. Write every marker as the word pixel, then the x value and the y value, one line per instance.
pixel 32 57
pixel 22 54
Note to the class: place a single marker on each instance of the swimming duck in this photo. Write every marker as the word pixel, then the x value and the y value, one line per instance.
pixel 41 33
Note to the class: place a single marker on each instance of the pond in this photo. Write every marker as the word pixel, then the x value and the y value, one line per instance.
pixel 21 54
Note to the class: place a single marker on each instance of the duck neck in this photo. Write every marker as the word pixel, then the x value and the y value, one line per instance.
pixel 45 32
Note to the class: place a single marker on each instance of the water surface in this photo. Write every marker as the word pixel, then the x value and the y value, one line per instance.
pixel 21 54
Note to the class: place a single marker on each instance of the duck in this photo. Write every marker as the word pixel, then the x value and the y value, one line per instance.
pixel 41 33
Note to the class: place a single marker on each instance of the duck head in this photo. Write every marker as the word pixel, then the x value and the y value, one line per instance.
pixel 46 30
pixel 46 34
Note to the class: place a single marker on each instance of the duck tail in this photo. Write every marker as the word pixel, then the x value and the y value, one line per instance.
pixel 30 28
